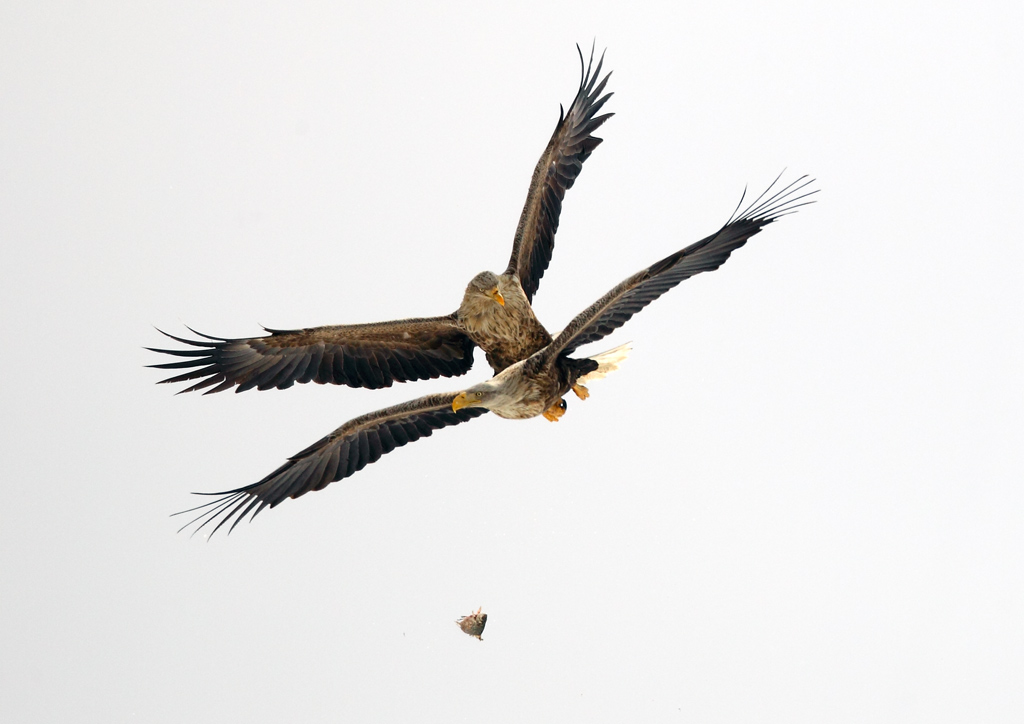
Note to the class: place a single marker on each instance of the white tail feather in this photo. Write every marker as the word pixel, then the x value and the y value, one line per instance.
pixel 607 362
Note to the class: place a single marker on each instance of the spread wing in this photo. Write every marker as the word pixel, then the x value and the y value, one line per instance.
pixel 617 306
pixel 341 454
pixel 556 171
pixel 357 355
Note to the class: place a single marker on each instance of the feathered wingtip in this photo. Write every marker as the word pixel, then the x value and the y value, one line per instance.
pixel 769 206
pixel 607 362
pixel 199 363
pixel 590 96
pixel 231 504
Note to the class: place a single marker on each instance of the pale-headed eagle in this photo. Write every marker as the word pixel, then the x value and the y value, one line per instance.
pixel 495 313
pixel 533 386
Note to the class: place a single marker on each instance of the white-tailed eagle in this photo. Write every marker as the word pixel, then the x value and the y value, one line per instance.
pixel 495 313
pixel 533 386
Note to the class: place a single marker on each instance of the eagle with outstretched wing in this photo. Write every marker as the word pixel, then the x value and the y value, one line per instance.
pixel 533 386
pixel 495 314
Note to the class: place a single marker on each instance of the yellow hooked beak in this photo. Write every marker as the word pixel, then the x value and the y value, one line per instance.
pixel 496 296
pixel 465 400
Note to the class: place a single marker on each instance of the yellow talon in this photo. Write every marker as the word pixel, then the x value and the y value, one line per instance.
pixel 554 412
pixel 581 391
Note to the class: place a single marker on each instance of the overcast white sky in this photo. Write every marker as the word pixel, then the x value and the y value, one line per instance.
pixel 800 500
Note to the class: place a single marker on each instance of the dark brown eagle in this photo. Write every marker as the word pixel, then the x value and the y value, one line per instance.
pixel 495 313
pixel 533 386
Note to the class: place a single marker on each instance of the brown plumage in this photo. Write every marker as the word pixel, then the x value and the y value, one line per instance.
pixel 507 333
pixel 342 453
pixel 495 313
pixel 536 385
pixel 530 387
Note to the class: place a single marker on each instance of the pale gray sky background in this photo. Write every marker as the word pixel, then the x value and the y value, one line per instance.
pixel 800 500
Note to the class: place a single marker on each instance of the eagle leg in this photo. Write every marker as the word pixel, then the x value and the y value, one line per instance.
pixel 555 411
pixel 581 391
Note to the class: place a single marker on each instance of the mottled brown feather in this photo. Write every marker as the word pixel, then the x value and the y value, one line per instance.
pixel 638 290
pixel 571 144
pixel 338 455
pixel 532 386
pixel 377 355
pixel 357 355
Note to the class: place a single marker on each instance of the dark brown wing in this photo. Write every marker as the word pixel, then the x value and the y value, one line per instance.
pixel 357 355
pixel 556 171
pixel 617 306
pixel 344 452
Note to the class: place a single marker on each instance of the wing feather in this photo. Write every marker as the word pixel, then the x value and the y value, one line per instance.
pixel 336 456
pixel 556 171
pixel 617 306
pixel 357 355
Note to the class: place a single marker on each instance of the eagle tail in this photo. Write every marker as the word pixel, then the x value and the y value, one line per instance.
pixel 606 362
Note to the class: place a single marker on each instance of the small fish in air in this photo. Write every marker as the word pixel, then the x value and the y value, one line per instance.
pixel 473 624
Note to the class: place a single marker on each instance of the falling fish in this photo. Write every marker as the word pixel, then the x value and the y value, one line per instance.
pixel 473 624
